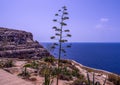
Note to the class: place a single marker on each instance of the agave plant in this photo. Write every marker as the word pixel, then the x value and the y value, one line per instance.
pixel 47 78
pixel 25 73
pixel 61 34
pixel 93 82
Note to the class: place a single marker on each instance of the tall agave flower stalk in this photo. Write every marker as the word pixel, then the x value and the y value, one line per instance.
pixel 61 34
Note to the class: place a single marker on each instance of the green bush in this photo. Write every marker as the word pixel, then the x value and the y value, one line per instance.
pixel 42 71
pixel 24 73
pixel 49 59
pixel 77 74
pixel 9 63
pixel 65 74
pixel 54 71
pixel 65 71
pixel 65 77
pixel 27 65
pixel 34 65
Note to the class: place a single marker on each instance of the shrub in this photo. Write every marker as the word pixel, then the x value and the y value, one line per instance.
pixel 49 59
pixel 34 65
pixel 42 71
pixel 65 71
pixel 27 65
pixel 74 68
pixel 9 63
pixel 65 74
pixel 54 71
pixel 115 79
pixel 47 78
pixel 24 73
pixel 6 64
pixel 65 77
pixel 75 74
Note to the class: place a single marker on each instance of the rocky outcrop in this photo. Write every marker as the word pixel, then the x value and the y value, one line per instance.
pixel 20 44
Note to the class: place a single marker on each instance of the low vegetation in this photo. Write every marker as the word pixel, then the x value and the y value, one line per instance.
pixel 6 63
pixel 25 74
pixel 47 69
pixel 114 78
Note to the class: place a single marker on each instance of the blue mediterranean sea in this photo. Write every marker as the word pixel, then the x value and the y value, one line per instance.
pixel 105 56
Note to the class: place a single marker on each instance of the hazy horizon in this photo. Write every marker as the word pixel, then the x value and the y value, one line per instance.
pixel 90 20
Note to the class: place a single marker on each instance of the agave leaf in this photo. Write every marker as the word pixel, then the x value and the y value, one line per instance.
pixel 64 7
pixel 59 10
pixel 55 20
pixel 54 27
pixel 65 13
pixel 63 24
pixel 53 37
pixel 66 18
pixel 63 41
pixel 56 14
pixel 104 81
pixel 57 29
pixel 97 83
pixel 55 44
pixel 69 35
pixel 88 78
pixel 57 34
pixel 66 30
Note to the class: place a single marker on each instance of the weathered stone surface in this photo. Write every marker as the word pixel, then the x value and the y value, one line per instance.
pixel 17 43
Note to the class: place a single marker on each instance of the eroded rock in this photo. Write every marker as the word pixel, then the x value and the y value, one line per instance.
pixel 20 44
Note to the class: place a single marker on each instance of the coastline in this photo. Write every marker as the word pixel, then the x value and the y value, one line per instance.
pixel 94 69
pixel 106 55
pixel 100 75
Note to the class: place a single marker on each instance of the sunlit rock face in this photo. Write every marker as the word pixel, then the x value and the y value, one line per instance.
pixel 20 44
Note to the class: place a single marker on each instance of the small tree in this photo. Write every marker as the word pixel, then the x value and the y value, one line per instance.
pixel 60 34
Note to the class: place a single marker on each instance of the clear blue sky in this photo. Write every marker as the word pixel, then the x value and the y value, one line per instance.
pixel 90 20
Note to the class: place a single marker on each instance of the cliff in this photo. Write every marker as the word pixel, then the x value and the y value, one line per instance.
pixel 19 44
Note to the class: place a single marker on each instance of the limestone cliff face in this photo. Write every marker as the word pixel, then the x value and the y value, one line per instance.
pixel 16 43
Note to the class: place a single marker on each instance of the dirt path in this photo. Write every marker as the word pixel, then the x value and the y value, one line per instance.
pixel 9 79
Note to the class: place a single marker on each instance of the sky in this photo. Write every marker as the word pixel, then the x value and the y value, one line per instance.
pixel 90 20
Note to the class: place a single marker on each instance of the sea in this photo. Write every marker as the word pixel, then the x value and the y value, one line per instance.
pixel 104 56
